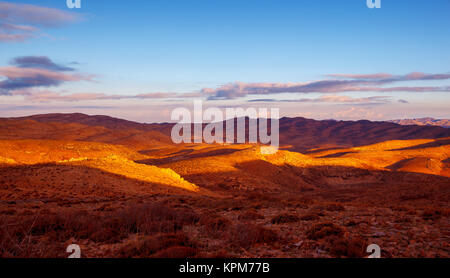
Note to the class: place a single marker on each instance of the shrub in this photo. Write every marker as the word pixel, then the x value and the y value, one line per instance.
pixel 150 245
pixel 214 225
pixel 309 217
pixel 335 207
pixel 322 230
pixel 246 235
pixel 347 247
pixel 431 214
pixel 285 218
pixel 176 252
pixel 250 215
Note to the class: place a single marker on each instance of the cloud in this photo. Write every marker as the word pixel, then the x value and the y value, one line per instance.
pixel 35 95
pixel 356 113
pixel 20 22
pixel 36 71
pixel 403 101
pixel 353 83
pixel 334 99
pixel 15 33
pixel 42 62
pixel 362 76
pixel 47 95
pixel 20 78
pixel 161 95
pixel 347 99
pixel 32 14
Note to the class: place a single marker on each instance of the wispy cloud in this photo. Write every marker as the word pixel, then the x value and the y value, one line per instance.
pixel 356 113
pixel 333 99
pixel 41 62
pixel 20 22
pixel 35 72
pixel 39 95
pixel 350 83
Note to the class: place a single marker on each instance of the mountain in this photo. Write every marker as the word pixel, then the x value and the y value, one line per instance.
pixel 304 134
pixel 296 134
pixel 424 121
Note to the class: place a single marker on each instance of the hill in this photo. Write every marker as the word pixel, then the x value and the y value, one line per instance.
pixel 424 121
pixel 297 134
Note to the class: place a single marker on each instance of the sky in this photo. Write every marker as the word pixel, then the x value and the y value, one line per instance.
pixel 139 60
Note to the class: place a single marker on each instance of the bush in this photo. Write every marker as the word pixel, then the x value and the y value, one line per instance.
pixel 176 252
pixel 285 218
pixel 214 225
pixel 335 207
pixel 309 217
pixel 246 235
pixel 322 230
pixel 250 215
pixel 149 245
pixel 347 247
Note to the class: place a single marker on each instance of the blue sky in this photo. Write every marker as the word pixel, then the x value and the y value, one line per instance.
pixel 140 47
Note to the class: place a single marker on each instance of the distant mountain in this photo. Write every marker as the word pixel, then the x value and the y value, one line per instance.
pixel 424 121
pixel 296 134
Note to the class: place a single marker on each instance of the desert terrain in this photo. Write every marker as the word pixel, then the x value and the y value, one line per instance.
pixel 122 189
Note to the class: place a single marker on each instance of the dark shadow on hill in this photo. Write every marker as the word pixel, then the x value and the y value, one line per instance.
pixel 184 155
pixel 399 164
pixel 436 143
pixel 333 155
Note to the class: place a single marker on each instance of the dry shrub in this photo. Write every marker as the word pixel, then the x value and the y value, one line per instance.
pixel 321 230
pixel 246 235
pixel 259 200
pixel 215 225
pixel 16 240
pixel 310 217
pixel 8 212
pixel 150 245
pixel 352 247
pixel 176 252
pixel 251 214
pixel 334 207
pixel 19 235
pixel 432 214
pixel 351 223
pixel 220 254
pixel 285 218
pixel 147 219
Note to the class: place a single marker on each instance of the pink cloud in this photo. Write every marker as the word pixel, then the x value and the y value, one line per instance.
pixel 353 83
pixel 33 14
pixel 19 22
pixel 18 73
pixel 362 76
